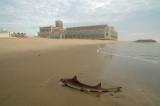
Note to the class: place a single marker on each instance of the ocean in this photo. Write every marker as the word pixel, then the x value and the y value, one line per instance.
pixel 136 68
pixel 149 52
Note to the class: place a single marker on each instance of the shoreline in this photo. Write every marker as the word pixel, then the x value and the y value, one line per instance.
pixel 9 46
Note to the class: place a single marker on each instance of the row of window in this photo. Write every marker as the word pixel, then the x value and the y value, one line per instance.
pixel 87 32
pixel 86 36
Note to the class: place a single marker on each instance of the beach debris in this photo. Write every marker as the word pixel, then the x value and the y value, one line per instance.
pixel 74 83
pixel 111 94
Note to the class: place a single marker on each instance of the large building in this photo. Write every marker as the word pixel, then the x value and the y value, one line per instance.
pixel 5 33
pixel 83 32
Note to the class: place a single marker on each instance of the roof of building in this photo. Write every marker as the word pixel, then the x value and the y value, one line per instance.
pixel 47 26
pixel 4 31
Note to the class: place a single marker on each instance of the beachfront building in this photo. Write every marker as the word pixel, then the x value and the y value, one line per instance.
pixel 91 32
pixel 5 33
pixel 56 32
pixel 82 32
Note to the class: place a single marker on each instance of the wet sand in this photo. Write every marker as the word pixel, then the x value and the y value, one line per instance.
pixel 30 69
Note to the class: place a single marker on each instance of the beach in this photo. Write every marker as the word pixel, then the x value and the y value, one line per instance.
pixel 31 68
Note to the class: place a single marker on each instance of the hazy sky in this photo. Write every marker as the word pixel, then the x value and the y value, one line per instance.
pixel 133 19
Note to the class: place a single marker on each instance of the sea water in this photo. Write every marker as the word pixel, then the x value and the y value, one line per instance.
pixel 136 68
pixel 141 51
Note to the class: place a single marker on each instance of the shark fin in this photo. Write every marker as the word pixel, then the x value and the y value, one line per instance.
pixel 98 86
pixel 74 78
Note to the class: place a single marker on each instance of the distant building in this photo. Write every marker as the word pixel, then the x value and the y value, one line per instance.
pixel 5 33
pixel 82 32
pixel 19 35
pixel 51 32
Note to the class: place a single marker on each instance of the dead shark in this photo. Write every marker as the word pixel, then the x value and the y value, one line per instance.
pixel 74 83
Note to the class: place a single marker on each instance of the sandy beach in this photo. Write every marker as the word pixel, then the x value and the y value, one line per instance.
pixel 30 69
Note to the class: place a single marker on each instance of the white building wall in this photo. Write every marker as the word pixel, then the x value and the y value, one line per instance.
pixel 5 34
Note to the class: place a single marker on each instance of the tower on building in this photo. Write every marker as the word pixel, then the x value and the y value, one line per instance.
pixel 59 23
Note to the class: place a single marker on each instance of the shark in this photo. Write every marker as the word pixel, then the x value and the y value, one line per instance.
pixel 74 83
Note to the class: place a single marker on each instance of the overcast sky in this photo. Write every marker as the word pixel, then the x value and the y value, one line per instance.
pixel 133 19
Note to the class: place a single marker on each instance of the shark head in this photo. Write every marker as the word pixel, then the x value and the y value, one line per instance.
pixel 64 81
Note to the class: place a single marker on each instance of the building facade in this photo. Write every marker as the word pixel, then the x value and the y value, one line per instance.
pixel 83 32
pixel 5 33
pixel 51 32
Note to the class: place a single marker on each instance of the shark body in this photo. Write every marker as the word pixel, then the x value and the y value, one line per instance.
pixel 74 83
